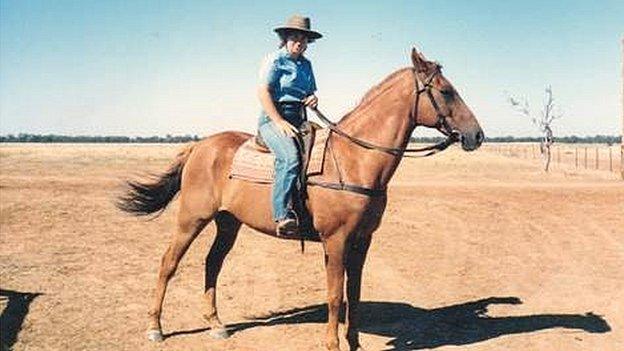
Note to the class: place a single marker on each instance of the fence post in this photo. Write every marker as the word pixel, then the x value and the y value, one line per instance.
pixel 597 159
pixel 610 159
pixel 622 136
pixel 585 157
pixel 576 157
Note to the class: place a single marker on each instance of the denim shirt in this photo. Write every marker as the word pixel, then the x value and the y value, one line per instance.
pixel 289 79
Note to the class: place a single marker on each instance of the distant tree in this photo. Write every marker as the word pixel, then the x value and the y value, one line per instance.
pixel 54 138
pixel 542 121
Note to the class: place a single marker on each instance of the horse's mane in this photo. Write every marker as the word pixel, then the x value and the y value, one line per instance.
pixel 376 90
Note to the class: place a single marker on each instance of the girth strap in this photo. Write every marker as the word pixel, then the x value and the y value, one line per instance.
pixel 349 187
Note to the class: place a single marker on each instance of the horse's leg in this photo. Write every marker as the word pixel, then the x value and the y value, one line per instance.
pixel 334 258
pixel 227 231
pixel 355 256
pixel 188 227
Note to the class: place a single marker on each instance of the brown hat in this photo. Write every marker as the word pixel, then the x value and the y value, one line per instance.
pixel 300 24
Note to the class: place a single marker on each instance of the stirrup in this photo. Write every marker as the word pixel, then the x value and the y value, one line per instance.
pixel 289 226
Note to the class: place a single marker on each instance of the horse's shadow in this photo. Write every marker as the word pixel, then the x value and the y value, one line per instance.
pixel 15 308
pixel 413 328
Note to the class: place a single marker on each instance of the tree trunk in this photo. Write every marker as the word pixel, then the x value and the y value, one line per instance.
pixel 547 142
pixel 546 155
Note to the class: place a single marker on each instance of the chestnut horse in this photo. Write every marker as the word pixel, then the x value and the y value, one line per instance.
pixel 346 202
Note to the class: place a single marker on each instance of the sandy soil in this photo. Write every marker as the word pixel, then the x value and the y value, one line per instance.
pixel 465 239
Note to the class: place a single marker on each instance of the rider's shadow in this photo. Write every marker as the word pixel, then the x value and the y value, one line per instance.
pixel 413 328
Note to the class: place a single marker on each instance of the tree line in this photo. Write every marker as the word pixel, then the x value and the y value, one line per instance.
pixel 596 139
pixel 55 138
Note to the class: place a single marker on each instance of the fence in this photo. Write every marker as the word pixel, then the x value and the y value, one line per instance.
pixel 598 157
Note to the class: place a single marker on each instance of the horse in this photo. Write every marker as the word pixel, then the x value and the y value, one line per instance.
pixel 346 201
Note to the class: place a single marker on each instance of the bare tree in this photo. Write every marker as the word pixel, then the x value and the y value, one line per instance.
pixel 542 121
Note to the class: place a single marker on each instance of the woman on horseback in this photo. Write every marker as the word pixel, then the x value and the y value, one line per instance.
pixel 286 86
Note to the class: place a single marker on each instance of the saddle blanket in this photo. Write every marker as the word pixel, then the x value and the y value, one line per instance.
pixel 256 166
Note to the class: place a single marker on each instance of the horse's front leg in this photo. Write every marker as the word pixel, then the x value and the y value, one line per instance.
pixel 334 266
pixel 355 256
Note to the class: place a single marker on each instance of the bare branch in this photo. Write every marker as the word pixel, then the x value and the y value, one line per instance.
pixel 520 106
pixel 549 104
pixel 543 120
pixel 556 116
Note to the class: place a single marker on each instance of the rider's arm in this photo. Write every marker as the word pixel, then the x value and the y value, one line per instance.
pixel 264 94
pixel 266 100
pixel 311 100
pixel 269 76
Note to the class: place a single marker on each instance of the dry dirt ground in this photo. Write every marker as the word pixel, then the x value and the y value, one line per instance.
pixel 477 251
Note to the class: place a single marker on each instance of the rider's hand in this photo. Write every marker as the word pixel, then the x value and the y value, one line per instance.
pixel 286 128
pixel 311 101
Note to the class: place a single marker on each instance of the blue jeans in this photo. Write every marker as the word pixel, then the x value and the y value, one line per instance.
pixel 287 164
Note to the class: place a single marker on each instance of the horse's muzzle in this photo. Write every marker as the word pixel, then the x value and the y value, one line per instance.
pixel 472 140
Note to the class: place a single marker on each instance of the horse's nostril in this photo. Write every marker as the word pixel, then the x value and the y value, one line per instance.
pixel 480 137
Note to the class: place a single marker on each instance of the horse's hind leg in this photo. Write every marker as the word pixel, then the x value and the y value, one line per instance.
pixel 188 228
pixel 227 231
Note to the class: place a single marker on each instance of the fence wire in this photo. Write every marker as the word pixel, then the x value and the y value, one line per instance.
pixel 571 156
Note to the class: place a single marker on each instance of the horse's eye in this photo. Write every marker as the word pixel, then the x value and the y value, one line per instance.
pixel 447 93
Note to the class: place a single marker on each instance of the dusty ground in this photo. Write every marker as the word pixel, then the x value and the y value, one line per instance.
pixel 462 231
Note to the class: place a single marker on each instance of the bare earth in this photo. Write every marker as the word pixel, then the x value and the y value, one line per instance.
pixel 462 233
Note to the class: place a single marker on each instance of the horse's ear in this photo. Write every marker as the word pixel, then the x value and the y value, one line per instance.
pixel 419 61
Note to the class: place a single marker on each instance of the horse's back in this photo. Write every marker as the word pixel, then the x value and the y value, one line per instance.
pixel 205 174
pixel 227 139
pixel 221 146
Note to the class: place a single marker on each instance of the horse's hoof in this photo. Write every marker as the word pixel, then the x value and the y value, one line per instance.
pixel 154 335
pixel 219 333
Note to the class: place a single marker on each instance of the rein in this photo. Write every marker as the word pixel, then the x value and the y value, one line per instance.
pixel 441 124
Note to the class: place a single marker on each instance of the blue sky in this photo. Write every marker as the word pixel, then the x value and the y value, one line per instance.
pixel 190 67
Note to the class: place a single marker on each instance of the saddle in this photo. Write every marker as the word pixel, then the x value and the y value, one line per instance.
pixel 254 162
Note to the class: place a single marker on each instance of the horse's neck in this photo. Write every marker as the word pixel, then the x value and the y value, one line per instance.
pixel 383 116
pixel 383 119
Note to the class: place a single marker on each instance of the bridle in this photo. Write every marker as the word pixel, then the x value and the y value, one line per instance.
pixel 441 124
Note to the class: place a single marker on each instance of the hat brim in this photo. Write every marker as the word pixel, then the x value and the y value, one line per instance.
pixel 309 33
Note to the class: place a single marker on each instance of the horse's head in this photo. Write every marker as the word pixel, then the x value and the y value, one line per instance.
pixel 440 106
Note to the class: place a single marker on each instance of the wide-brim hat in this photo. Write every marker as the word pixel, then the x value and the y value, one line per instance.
pixel 300 24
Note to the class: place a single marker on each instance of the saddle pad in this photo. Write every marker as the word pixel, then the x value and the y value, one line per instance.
pixel 252 165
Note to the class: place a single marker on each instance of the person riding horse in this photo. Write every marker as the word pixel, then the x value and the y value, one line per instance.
pixel 286 86
pixel 346 200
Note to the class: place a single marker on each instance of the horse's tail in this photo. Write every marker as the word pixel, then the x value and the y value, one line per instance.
pixel 153 194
